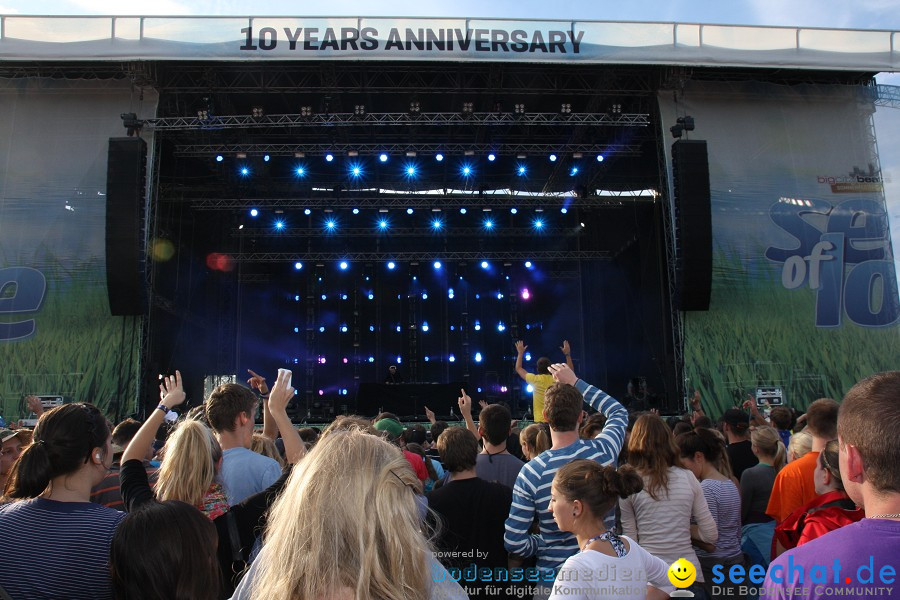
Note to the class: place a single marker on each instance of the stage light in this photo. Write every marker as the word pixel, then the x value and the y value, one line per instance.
pixel 355 211
pixel 526 295
pixel 484 264
pixel 254 212
pixel 300 171
pixel 391 265
pixel 492 157
pixel 437 265
pixel 330 225
pixel 410 170
pixel 279 224
pixel 436 224
pixel 324 297
pixel 307 212
pixel 463 211
pixel 266 158
pixel 343 296
pixel 321 330
pixel 424 295
pixel 479 390
pixel 297 298
pixel 538 224
pixel 478 357
pixel 426 359
pixel 409 211
pixel 296 330
pixel 343 391
pixel 528 264
pixel 522 170
pixel 343 329
pixel 501 327
pixel 599 158
pixel 382 224
pixel 503 389
pixel 499 296
pixel 321 392
pixel 439 157
pixel 298 265
pixel 451 358
pixel 425 326
pixel 219 158
pixel 371 359
pixel 477 326
pixel 514 210
pixel 344 265
pixel 450 293
pixel 564 210
pixel 383 157
pixel 466 170
pixel 528 356
pixel 356 171
pixel 573 172
pixel 329 157
pixel 529 388
pixel 398 329
pixel 488 224
pixel 552 158
pixel 399 360
pixel 245 171
pixel 371 328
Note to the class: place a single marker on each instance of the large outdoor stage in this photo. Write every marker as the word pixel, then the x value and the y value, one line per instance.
pixel 686 204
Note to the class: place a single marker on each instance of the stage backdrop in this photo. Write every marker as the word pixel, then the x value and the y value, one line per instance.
pixel 56 333
pixel 804 289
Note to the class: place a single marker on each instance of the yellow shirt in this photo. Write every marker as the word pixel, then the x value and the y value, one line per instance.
pixel 540 383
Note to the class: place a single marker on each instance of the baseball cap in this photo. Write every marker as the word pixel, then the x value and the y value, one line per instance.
pixel 736 418
pixel 23 434
pixel 390 426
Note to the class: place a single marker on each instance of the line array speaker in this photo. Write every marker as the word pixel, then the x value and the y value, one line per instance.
pixel 693 224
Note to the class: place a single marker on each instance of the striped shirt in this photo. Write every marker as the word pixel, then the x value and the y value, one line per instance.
pixel 531 494
pixel 58 549
pixel 724 503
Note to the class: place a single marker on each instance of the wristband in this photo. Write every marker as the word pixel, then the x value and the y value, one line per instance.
pixel 165 409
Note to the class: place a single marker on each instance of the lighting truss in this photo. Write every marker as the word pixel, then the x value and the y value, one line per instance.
pixel 437 119
pixel 395 232
pixel 401 148
pixel 543 256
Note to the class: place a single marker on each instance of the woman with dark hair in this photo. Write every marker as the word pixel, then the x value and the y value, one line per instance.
pixel 55 526
pixel 583 491
pixel 701 452
pixel 659 516
pixel 142 570
pixel 830 510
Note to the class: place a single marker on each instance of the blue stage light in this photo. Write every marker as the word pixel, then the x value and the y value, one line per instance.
pixel 477 326
pixel 298 265
pixel 528 264
pixel 410 170
pixel 492 157
pixel 599 158
pixel 528 356
pixel 478 357
pixel 462 211
pixel 343 296
pixel 382 224
pixel 501 327
pixel 451 358
pixel 355 211
pixel 391 265
pixel 466 170
pixel 538 224
pixel 439 157
pixel 343 265
pixel 529 388
pixel 484 264
pixel 279 224
pixel 499 296
pixel 343 329
pixel 409 211
pixel 324 296
pixel 522 170
pixel 514 210
pixel 426 359
pixel 564 210
pixel 300 171
pixel 574 171
pixel 254 212
pixel 398 329
pixel 399 360
pixel 329 157
pixel 425 326
pixel 488 224
pixel 371 296
pixel 437 224
pixel 296 330
pixel 437 265
pixel 552 158
pixel 383 157
pixel 219 158
pixel 450 293
pixel 307 212
pixel 266 158
pixel 245 171
pixel 356 171
pixel 424 295
pixel 371 328
pixel 321 330
pixel 371 359
pixel 297 298
pixel 330 224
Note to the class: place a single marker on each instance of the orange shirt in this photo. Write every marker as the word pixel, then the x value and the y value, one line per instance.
pixel 794 487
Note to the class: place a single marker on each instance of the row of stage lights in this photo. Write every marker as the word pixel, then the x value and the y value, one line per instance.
pixel 424 328
pixel 410 170
pixel 437 224
pixel 438 265
pixel 343 391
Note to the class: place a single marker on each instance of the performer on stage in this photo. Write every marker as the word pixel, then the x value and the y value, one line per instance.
pixel 542 379
pixel 393 375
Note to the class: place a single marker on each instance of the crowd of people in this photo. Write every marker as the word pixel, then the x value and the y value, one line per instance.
pixel 576 505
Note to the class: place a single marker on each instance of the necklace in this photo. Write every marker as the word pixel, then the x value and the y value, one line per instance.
pixel 888 516
pixel 592 540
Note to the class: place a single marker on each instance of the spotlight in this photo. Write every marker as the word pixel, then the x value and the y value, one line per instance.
pixel 330 225
pixel 528 264
pixel 329 157
pixel 599 158
pixel 307 212
pixel 306 111
pixel 219 158
pixel 383 157
pixel 552 158
pixel 425 326
pixel 257 111
pixel 356 171
pixel 436 224
pixel 492 157
pixel 371 359
pixel 437 265
pixel 477 326
pixel 462 211
pixel 411 171
pixel 300 171
pixel 499 296
pixel 501 327
pixel 488 224
pixel 526 295
pixel 391 265
pixel 254 212
pixel 467 170
pixel 355 211
pixel 382 224
pixel 538 224
pixel 298 265
pixel 359 110
pixel 415 107
pixel 574 171
pixel 439 157
pixel 467 107
pixel 514 210
pixel 371 296
pixel 478 357
pixel 451 358
pixel 522 170
pixel 279 224
pixel 343 265
pixel 343 329
pixel 519 109
pixel 529 388
pixel 528 356
pixel 565 108
pixel 450 293
pixel 484 264
pixel 409 211
pixel 564 210
pixel 266 158
pixel 245 171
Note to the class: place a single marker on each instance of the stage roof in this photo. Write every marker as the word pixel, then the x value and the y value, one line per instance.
pixel 281 38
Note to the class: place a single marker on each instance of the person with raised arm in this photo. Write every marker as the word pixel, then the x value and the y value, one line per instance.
pixel 542 379
pixel 188 473
pixel 531 494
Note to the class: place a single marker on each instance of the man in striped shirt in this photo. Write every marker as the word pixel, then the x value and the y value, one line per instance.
pixel 531 494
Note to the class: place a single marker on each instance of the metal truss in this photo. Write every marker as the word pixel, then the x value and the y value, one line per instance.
pixel 377 256
pixel 395 232
pixel 415 201
pixel 209 150
pixel 887 95
pixel 399 118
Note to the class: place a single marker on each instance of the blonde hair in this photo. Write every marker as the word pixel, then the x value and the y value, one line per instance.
pixel 347 519
pixel 265 445
pixel 189 464
pixel 537 437
pixel 800 444
pixel 768 443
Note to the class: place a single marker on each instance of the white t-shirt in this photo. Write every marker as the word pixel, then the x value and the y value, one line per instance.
pixel 591 574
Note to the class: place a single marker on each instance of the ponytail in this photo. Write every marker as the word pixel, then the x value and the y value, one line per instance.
pixel 768 443
pixel 596 486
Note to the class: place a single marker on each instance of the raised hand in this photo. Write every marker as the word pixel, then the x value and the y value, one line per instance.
pixel 171 392
pixel 465 404
pixel 565 348
pixel 430 414
pixel 521 347
pixel 483 404
pixel 562 373
pixel 282 391
pixel 257 381
pixel 695 400
pixel 34 405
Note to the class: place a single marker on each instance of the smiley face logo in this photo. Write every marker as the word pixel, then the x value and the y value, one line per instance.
pixel 682 573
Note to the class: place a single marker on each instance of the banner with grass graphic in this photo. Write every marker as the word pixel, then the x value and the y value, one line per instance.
pixel 805 294
pixel 56 333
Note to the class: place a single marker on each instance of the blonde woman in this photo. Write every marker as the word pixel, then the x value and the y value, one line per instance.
pixel 189 474
pixel 800 445
pixel 347 527
pixel 265 445
pixel 756 487
pixel 534 439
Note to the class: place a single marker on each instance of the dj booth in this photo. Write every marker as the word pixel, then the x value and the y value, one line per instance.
pixel 408 400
